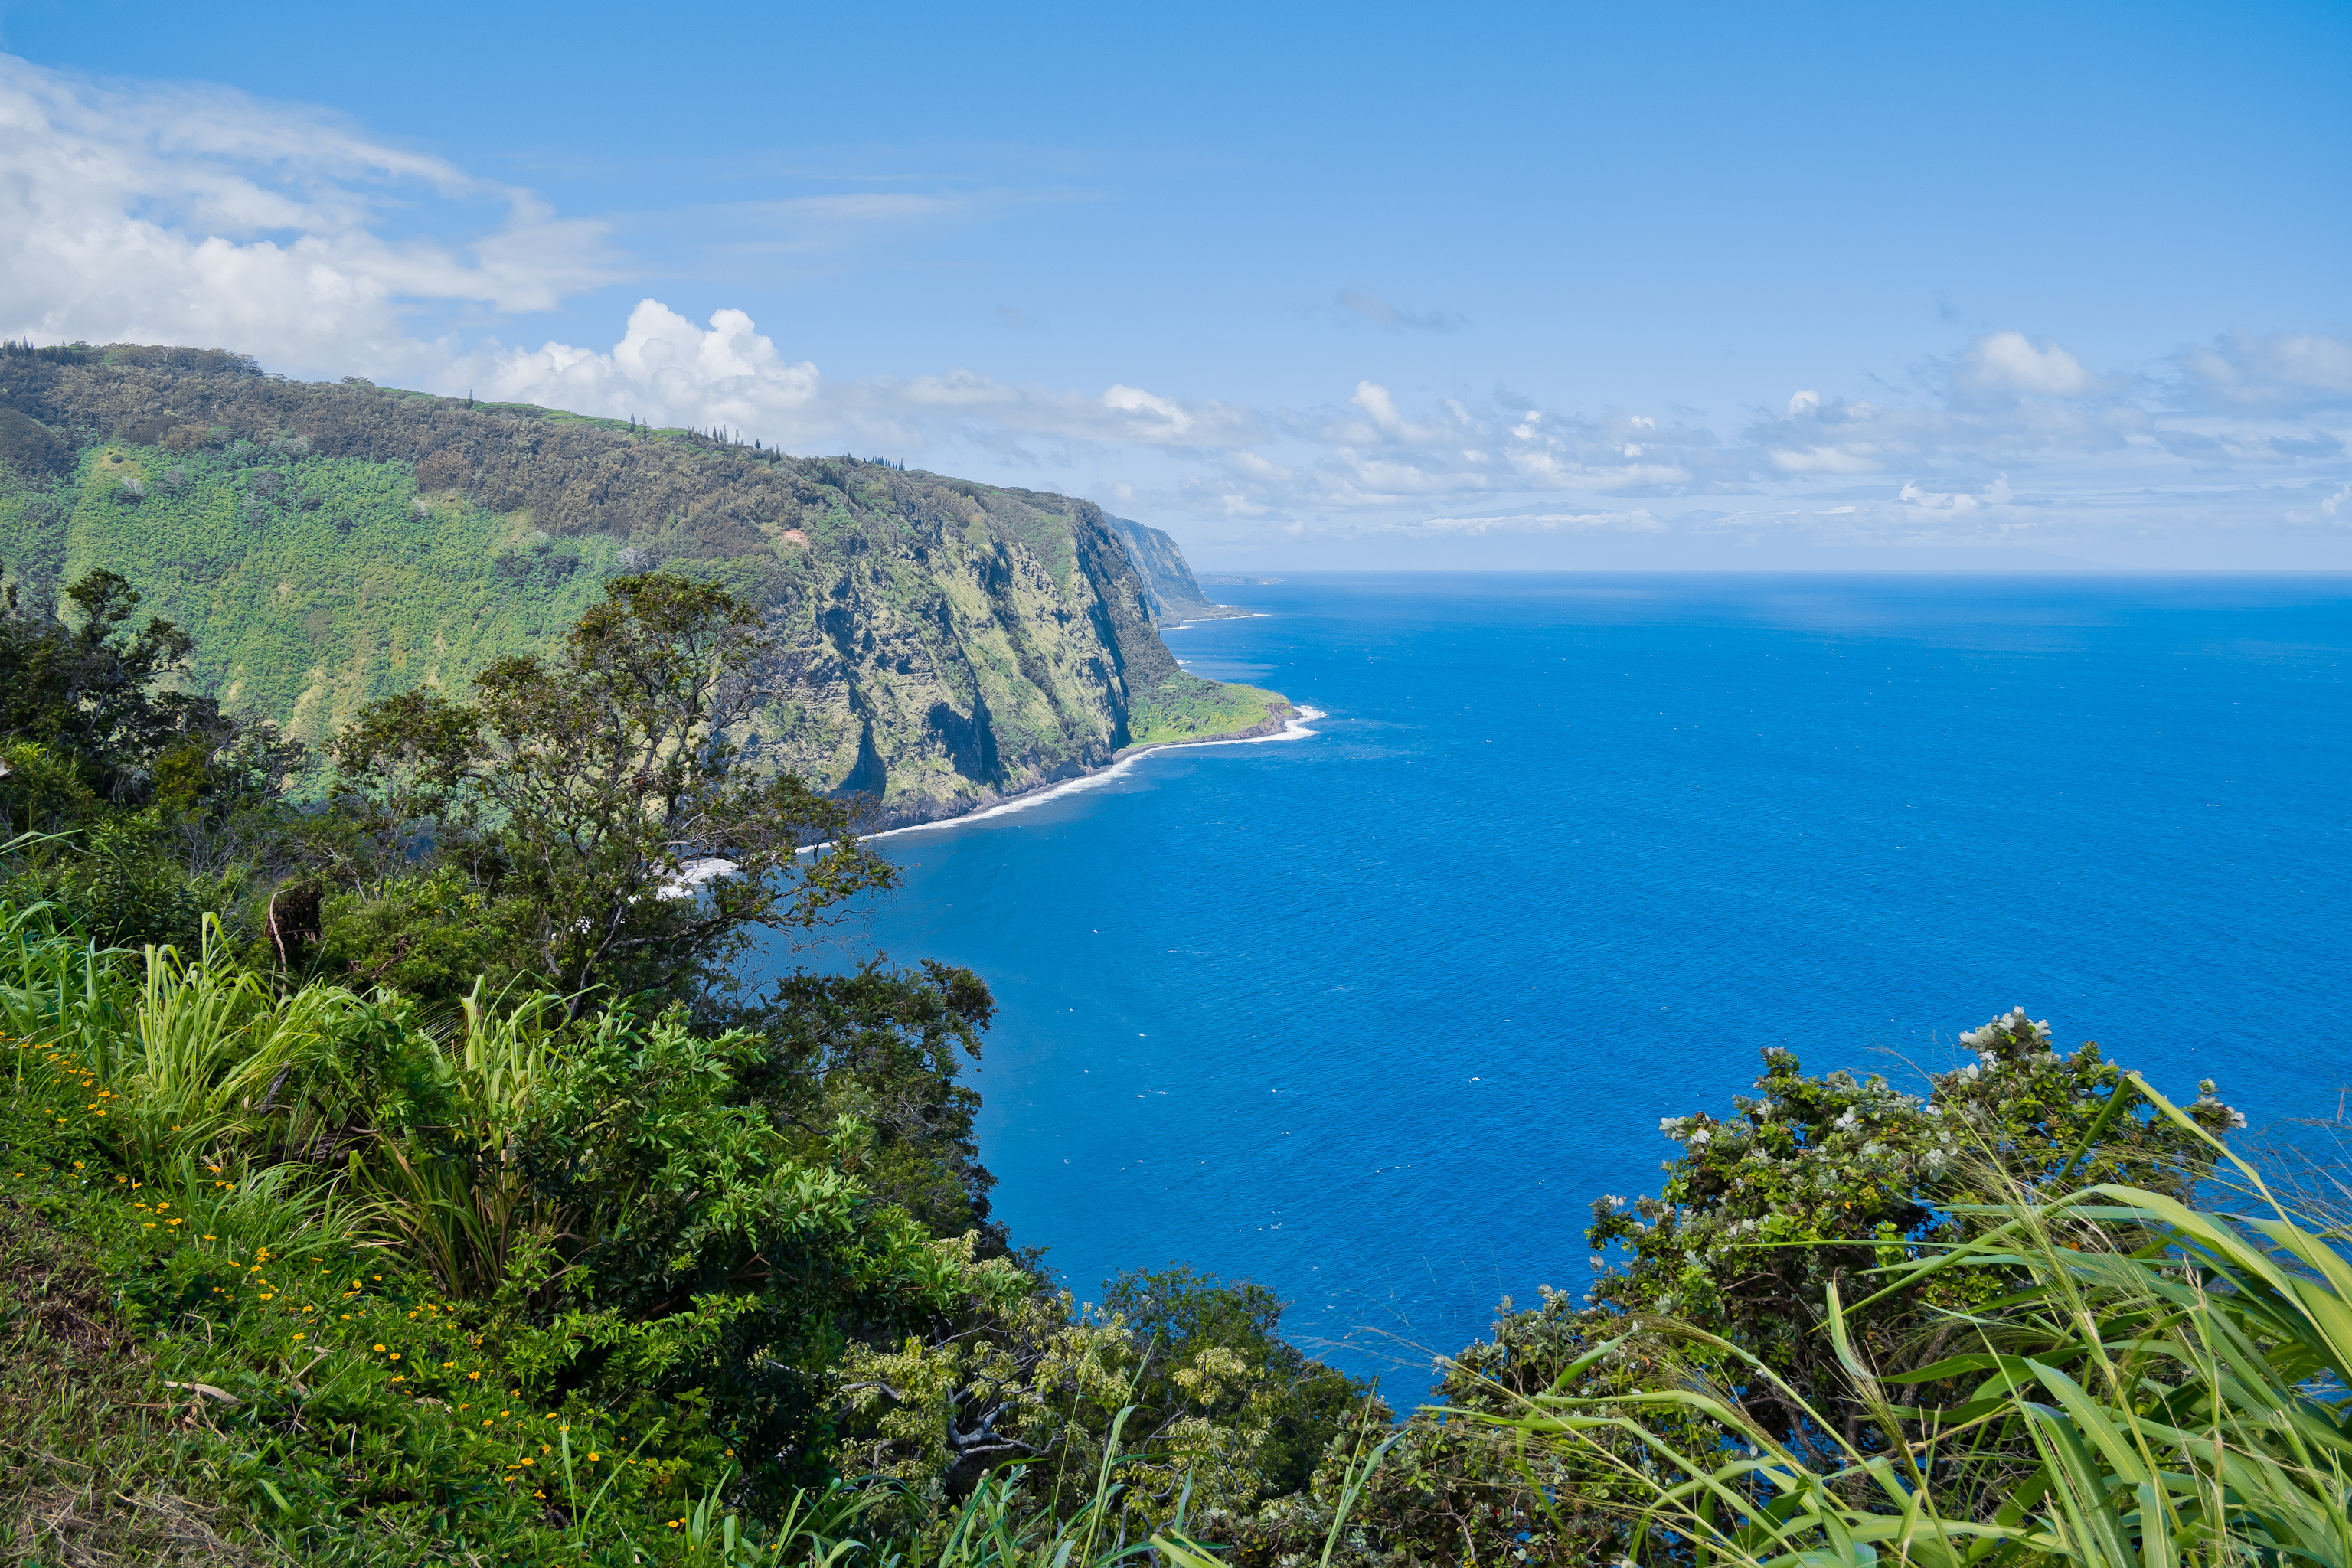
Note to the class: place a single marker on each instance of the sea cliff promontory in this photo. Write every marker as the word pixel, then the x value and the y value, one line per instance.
pixel 941 645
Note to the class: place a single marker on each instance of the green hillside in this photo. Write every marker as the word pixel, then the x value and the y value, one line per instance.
pixel 945 644
pixel 310 584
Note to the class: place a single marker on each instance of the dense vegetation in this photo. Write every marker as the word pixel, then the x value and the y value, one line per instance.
pixel 412 1174
pixel 936 644
pixel 452 1085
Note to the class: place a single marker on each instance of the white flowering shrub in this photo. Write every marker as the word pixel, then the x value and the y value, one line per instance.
pixel 1220 1412
pixel 1811 1178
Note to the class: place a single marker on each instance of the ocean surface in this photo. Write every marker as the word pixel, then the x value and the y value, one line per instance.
pixel 1371 1015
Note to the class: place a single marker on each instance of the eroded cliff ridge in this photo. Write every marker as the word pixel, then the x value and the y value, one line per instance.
pixel 942 645
pixel 1169 585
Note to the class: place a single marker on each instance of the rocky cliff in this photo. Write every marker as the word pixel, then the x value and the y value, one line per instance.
pixel 1168 586
pixel 942 644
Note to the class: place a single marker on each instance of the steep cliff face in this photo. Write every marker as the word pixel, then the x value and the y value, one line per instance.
pixel 999 641
pixel 1167 583
pixel 942 644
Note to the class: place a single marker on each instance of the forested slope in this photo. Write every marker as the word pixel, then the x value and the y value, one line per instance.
pixel 942 644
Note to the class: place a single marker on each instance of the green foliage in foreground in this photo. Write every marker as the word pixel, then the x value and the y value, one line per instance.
pixel 576 1291
pixel 2148 1384
pixel 1815 1182
pixel 316 1244
pixel 543 1286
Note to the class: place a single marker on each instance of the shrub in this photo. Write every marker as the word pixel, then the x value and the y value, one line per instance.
pixel 2138 1382
pixel 1813 1182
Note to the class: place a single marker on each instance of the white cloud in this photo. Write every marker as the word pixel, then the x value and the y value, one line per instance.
pixel 668 371
pixel 2280 373
pixel 2003 398
pixel 2335 510
pixel 1994 494
pixel 2009 362
pixel 664 370
pixel 147 213
pixel 133 211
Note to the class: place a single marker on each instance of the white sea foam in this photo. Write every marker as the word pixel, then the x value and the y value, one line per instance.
pixel 1196 626
pixel 1295 730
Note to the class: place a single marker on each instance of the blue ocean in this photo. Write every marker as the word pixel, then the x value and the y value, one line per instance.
pixel 1371 1015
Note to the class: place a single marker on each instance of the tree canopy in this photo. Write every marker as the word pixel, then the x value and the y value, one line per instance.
pixel 594 797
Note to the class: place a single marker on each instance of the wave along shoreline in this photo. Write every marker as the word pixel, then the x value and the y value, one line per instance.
pixel 1295 728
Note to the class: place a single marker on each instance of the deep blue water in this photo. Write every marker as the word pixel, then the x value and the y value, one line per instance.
pixel 1371 1016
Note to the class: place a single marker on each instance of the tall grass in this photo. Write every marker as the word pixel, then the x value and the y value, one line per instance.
pixel 452 1196
pixel 182 1055
pixel 195 1061
pixel 57 989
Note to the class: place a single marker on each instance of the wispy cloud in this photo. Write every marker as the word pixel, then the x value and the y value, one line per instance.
pixel 198 214
pixel 2279 373
pixel 842 224
pixel 1636 520
pixel 1382 311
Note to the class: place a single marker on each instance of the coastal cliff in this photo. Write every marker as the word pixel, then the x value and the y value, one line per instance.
pixel 1169 585
pixel 941 645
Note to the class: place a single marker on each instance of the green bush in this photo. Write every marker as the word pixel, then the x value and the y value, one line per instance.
pixel 2139 1382
pixel 1813 1182
pixel 429 1282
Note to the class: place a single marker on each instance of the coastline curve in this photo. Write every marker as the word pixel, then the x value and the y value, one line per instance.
pixel 1293 727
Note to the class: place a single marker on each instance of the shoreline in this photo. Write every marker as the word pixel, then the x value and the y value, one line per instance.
pixel 1189 622
pixel 1290 726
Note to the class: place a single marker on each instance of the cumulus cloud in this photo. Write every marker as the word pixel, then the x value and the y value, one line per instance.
pixel 196 214
pixel 2011 364
pixel 668 371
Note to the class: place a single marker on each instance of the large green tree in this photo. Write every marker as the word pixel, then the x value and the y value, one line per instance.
pixel 89 687
pixel 594 797
pixel 140 804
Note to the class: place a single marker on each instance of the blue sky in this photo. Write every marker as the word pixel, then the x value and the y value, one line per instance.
pixel 1689 286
